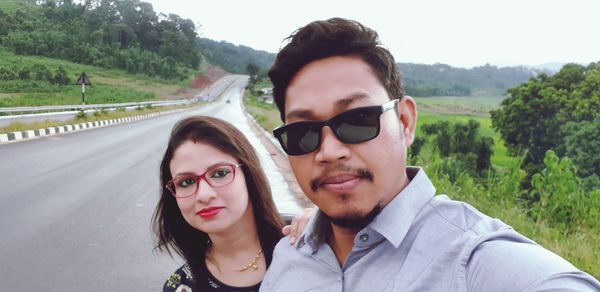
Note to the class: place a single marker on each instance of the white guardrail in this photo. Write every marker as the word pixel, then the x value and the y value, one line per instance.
pixel 79 107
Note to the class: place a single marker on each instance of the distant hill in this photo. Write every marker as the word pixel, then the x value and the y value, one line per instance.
pixel 234 59
pixel 444 80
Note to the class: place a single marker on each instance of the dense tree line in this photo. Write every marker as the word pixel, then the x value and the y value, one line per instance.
pixel 236 59
pixel 444 80
pixel 560 112
pixel 124 34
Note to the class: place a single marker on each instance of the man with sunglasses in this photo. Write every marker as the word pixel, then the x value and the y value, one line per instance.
pixel 347 128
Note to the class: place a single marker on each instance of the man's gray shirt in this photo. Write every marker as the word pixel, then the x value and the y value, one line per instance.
pixel 422 242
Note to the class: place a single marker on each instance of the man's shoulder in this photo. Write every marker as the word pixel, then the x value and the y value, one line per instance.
pixel 506 265
pixel 285 250
pixel 498 258
pixel 462 216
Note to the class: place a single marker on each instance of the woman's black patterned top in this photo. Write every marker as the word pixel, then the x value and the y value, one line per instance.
pixel 183 281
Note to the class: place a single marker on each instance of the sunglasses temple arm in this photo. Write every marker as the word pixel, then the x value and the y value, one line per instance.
pixel 389 105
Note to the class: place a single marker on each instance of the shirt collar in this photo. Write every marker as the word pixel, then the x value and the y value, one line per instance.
pixel 392 223
pixel 395 219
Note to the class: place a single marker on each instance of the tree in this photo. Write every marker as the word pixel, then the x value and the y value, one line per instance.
pixel 536 115
pixel 583 147
pixel 462 142
pixel 252 69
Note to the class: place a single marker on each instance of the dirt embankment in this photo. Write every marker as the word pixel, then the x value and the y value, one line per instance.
pixel 201 82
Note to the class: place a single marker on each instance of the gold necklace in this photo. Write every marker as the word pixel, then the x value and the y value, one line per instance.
pixel 253 264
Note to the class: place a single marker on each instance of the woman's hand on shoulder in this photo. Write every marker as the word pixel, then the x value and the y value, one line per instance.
pixel 299 222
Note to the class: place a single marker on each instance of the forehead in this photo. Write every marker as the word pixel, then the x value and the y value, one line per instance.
pixel 197 157
pixel 327 86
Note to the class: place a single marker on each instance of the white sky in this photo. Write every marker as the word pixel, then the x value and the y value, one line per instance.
pixel 461 33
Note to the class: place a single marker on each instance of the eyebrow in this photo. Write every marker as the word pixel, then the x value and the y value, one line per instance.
pixel 338 106
pixel 210 167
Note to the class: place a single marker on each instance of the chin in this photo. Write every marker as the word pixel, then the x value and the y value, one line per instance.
pixel 355 219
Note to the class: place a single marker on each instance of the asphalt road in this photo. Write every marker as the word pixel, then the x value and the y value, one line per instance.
pixel 75 208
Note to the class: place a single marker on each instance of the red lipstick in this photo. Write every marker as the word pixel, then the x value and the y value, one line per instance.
pixel 210 212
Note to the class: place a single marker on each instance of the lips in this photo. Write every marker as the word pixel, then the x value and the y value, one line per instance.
pixel 342 183
pixel 209 212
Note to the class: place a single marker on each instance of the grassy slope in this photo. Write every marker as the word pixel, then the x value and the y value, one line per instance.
pixel 108 85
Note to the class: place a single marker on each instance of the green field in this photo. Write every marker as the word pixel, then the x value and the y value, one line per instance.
pixel 467 105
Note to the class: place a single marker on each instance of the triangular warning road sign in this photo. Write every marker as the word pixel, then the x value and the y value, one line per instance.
pixel 83 79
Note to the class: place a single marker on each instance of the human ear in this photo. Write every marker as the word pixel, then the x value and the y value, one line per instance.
pixel 407 111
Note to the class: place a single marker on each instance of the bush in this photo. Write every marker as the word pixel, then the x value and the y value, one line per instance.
pixel 60 76
pixel 558 195
pixel 24 73
pixel 461 143
pixel 81 115
pixel 7 74
pixel 41 73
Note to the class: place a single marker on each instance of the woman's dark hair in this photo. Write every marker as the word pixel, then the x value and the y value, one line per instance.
pixel 173 232
pixel 333 37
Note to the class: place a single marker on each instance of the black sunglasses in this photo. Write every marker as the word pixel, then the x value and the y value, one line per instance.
pixel 351 127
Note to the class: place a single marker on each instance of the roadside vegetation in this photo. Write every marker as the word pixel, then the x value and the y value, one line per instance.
pixel 82 117
pixel 265 114
pixel 466 159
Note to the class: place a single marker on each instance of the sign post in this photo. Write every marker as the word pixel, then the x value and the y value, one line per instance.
pixel 83 80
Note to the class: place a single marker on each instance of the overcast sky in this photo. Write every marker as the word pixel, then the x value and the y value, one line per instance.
pixel 461 33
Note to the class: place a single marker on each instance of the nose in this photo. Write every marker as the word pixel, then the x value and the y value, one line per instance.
pixel 331 149
pixel 204 192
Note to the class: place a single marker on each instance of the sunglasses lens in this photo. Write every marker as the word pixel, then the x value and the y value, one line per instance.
pixel 357 126
pixel 351 127
pixel 300 138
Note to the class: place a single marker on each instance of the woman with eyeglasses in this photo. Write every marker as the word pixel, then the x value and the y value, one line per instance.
pixel 216 209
